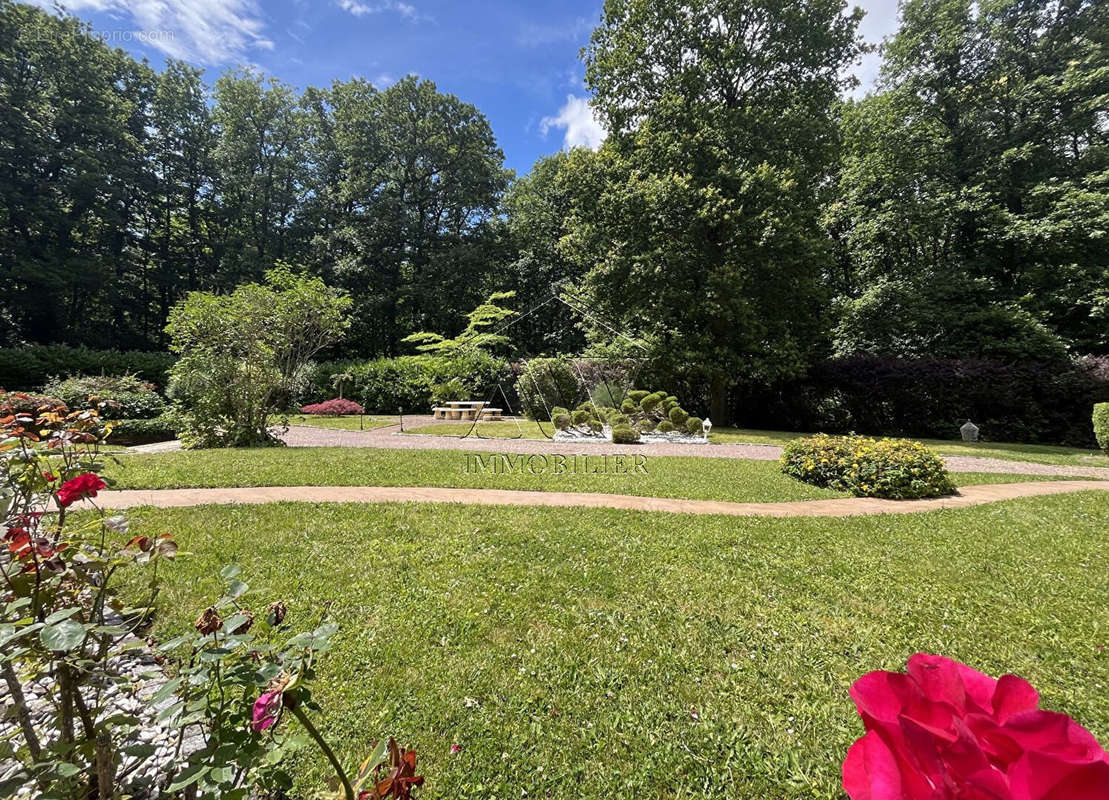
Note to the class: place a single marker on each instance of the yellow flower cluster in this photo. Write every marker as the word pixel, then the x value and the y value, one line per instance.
pixel 892 468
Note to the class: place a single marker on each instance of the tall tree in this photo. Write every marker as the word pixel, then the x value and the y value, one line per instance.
pixel 983 161
pixel 706 236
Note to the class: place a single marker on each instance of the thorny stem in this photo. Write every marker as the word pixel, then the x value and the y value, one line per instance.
pixel 298 712
pixel 21 708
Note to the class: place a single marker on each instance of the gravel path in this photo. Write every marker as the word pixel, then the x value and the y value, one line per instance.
pixel 838 507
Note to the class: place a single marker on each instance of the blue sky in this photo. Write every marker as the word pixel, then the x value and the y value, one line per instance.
pixel 516 61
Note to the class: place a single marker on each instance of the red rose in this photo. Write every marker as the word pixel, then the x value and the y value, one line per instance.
pixel 85 485
pixel 947 732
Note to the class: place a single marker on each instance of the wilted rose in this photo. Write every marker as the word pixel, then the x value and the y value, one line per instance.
pixel 209 621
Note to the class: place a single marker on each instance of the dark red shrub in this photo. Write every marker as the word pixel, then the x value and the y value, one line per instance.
pixel 333 408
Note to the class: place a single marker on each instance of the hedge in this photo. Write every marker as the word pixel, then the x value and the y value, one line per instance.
pixel 384 385
pixel 1101 425
pixel 1027 402
pixel 31 368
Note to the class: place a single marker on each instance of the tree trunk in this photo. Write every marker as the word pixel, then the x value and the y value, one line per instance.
pixel 718 401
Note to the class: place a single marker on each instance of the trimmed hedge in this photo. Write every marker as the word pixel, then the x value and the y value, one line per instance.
pixel 895 469
pixel 384 385
pixel 33 367
pixel 1101 425
pixel 129 432
pixel 931 398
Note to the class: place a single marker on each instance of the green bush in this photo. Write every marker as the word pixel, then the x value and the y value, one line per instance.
pixel 596 425
pixel 384 385
pixel 624 434
pixel 548 382
pixel 628 407
pixel 896 469
pixel 646 425
pixel 562 421
pixel 693 426
pixel 678 417
pixel 637 395
pixel 33 367
pixel 117 396
pixel 666 426
pixel 23 403
pixel 129 432
pixel 651 402
pixel 1101 425
pixel 581 417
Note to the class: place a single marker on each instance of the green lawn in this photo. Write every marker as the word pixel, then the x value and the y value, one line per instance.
pixel 738 480
pixel 345 423
pixel 598 654
pixel 526 429
pixel 1036 453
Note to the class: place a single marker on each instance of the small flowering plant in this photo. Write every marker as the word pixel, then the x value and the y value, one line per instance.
pixel 241 675
pixel 944 731
pixel 62 623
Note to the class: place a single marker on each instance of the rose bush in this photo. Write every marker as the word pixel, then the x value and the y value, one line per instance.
pixel 944 731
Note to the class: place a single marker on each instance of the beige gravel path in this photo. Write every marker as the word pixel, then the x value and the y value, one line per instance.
pixel 839 507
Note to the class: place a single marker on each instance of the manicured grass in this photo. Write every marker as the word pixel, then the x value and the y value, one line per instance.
pixel 345 423
pixel 738 480
pixel 695 478
pixel 1036 453
pixel 526 429
pixel 599 654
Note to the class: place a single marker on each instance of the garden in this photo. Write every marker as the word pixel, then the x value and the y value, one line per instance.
pixel 759 449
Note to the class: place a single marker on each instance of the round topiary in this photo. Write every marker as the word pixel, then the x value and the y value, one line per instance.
pixel 693 426
pixel 559 410
pixel 618 419
pixel 581 417
pixel 637 395
pixel 628 407
pixel 651 402
pixel 596 425
pixel 624 434
pixel 562 421
pixel 666 426
pixel 1101 425
pixel 646 425
pixel 678 417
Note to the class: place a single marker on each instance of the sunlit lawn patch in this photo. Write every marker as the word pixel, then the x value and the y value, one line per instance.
pixel 591 653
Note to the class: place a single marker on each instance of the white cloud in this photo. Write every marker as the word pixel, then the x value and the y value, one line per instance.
pixel 582 128
pixel 201 31
pixel 359 9
pixel 538 35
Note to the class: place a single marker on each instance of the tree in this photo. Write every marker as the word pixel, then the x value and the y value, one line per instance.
pixel 984 158
pixel 241 354
pixel 705 238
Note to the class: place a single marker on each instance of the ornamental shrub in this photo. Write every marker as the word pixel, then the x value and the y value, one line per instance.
pixel 23 403
pixel 544 383
pixel 333 408
pixel 678 417
pixel 896 469
pixel 651 402
pixel 637 395
pixel 628 407
pixel 242 354
pixel 1101 425
pixel 116 396
pixel 130 432
pixel 581 417
pixel 624 434
pixel 562 421
pixel 666 426
pixel 693 426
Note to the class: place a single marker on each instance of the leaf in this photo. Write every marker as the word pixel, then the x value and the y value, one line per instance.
pixel 236 589
pixel 63 636
pixel 230 572
pixel 58 616
pixel 187 777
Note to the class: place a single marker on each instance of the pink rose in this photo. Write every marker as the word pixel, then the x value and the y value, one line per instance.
pixel 944 731
pixel 266 710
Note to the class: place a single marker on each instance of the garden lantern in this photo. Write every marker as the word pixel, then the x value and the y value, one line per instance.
pixel 706 426
pixel 969 431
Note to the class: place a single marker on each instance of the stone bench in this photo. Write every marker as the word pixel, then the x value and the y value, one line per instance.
pixel 478 412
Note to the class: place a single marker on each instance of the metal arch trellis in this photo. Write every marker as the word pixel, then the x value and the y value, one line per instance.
pixel 564 295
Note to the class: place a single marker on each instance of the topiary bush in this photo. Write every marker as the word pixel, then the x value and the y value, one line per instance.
pixel 130 432
pixel 895 469
pixel 548 382
pixel 678 417
pixel 693 426
pixel 333 408
pixel 1101 426
pixel 625 434
pixel 562 421
pixel 666 426
pixel 115 396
